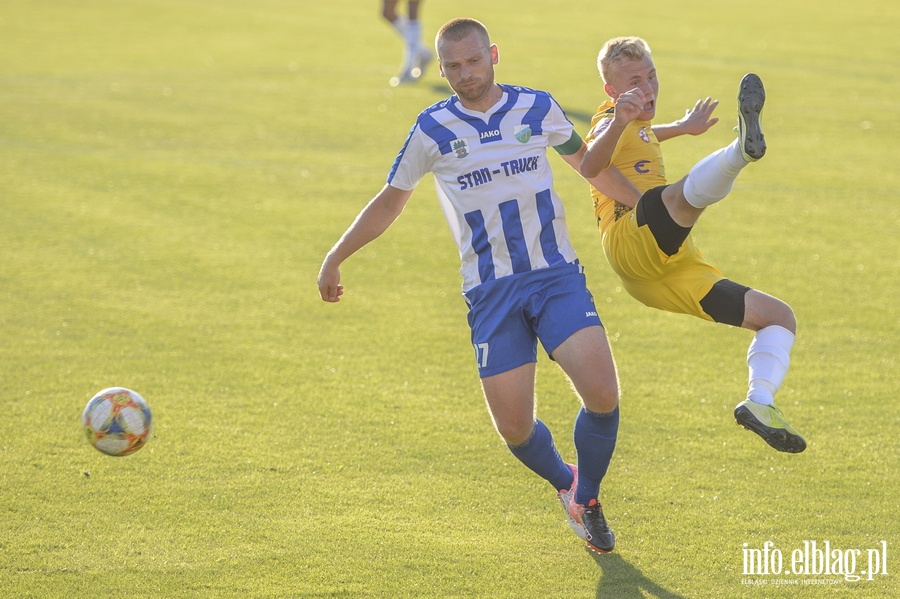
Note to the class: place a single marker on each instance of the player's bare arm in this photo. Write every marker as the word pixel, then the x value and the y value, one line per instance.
pixel 601 149
pixel 599 153
pixel 371 222
pixel 695 121
pixel 574 159
pixel 611 182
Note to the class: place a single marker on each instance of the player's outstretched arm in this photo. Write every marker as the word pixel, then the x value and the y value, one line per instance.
pixel 371 222
pixel 695 121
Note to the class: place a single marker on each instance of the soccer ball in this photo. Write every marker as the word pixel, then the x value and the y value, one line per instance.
pixel 117 421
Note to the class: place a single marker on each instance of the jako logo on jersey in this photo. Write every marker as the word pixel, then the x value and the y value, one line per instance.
pixel 641 166
pixel 522 133
pixel 490 134
pixel 643 135
pixel 460 147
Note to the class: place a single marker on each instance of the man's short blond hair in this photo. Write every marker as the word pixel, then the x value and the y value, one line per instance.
pixel 620 49
pixel 457 29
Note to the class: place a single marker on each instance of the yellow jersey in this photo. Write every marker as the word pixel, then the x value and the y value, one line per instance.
pixel 676 283
pixel 637 156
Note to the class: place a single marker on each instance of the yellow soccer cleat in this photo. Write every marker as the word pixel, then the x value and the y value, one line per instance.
pixel 769 423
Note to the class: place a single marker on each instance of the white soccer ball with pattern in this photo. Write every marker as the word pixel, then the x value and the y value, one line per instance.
pixel 117 421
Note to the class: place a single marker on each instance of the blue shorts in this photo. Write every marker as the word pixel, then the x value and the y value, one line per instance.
pixel 510 314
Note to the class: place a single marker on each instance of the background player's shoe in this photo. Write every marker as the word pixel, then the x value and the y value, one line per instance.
pixel 423 59
pixel 751 98
pixel 769 423
pixel 600 536
pixel 565 498
pixel 416 69
pixel 403 78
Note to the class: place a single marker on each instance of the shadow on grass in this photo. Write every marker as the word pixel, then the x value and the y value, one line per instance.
pixel 623 581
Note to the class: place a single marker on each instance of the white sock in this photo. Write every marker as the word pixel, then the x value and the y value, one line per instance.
pixel 768 357
pixel 711 179
pixel 400 25
pixel 413 36
pixel 734 157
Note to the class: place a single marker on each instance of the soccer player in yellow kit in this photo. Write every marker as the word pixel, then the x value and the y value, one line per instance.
pixel 646 223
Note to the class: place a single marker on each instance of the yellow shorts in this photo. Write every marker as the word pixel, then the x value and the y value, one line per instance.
pixel 673 283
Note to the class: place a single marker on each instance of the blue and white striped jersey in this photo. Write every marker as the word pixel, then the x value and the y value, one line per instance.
pixel 493 180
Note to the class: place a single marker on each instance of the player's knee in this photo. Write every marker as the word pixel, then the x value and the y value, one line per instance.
pixel 603 398
pixel 764 310
pixel 514 432
pixel 783 316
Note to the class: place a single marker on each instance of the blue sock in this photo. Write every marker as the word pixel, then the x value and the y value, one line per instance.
pixel 539 453
pixel 595 441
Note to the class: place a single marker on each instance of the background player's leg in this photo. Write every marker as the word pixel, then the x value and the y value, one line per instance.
pixel 389 12
pixel 421 55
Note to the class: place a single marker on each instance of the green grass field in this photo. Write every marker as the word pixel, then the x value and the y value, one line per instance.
pixel 173 173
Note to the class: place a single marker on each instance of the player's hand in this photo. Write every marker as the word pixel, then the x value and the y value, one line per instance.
pixel 630 104
pixel 699 119
pixel 329 282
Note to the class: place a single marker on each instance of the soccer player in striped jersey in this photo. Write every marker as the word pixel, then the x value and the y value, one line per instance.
pixel 646 229
pixel 486 147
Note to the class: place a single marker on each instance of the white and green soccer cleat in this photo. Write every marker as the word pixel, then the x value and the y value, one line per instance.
pixel 769 423
pixel 751 98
